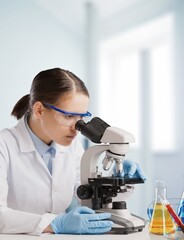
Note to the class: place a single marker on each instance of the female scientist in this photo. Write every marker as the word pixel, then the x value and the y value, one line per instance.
pixel 40 161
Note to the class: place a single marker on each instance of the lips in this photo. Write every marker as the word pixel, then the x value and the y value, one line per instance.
pixel 71 137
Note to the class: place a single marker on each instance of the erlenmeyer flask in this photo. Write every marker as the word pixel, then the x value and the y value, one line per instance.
pixel 161 221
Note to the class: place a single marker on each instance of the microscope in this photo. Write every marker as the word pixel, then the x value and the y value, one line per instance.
pixel 97 191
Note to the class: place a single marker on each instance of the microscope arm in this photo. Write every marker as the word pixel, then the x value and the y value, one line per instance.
pixel 89 161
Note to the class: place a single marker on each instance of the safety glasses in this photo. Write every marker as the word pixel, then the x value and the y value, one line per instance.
pixel 68 118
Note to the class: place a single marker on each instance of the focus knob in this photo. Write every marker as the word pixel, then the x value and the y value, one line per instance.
pixel 85 192
pixel 119 205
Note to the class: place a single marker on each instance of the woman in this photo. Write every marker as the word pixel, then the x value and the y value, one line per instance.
pixel 40 160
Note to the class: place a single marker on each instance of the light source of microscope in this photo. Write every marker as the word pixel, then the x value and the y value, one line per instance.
pixel 97 191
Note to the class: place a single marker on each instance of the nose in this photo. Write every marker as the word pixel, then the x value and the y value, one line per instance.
pixel 74 123
pixel 73 127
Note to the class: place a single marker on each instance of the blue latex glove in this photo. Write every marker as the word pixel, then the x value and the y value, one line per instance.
pixel 73 204
pixel 82 220
pixel 130 170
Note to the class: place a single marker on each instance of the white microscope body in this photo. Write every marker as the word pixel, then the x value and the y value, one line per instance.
pixel 97 191
pixel 116 144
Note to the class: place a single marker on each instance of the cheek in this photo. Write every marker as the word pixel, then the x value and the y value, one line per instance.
pixel 48 125
pixel 54 132
pixel 60 137
pixel 57 133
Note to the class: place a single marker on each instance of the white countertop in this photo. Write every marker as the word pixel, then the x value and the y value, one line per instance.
pixel 144 235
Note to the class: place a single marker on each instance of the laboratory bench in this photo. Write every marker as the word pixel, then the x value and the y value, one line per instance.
pixel 144 235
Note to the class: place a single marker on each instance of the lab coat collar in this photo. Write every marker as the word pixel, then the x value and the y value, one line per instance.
pixel 25 141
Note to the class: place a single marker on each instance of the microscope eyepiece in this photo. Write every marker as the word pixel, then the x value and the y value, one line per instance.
pixel 93 129
pixel 80 125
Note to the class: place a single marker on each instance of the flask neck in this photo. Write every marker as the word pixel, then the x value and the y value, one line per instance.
pixel 159 194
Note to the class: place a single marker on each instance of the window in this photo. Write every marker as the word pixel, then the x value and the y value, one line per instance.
pixel 163 98
pixel 121 83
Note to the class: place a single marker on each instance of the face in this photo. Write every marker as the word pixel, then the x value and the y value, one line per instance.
pixel 50 128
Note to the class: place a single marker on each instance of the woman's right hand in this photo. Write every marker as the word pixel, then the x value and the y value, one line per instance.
pixel 82 220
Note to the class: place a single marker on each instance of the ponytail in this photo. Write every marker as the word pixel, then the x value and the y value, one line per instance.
pixel 21 107
pixel 48 86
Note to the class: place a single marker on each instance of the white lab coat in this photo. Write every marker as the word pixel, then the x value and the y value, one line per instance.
pixel 30 197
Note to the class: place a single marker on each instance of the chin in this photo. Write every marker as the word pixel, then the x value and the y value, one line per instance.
pixel 65 143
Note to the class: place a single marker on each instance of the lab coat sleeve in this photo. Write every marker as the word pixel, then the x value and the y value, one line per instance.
pixel 14 221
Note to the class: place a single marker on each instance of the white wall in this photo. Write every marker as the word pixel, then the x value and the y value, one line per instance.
pixel 32 40
pixel 168 167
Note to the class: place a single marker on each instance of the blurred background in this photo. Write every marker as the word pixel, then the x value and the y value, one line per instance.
pixel 129 53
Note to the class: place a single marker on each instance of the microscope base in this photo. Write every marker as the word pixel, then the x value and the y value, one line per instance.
pixel 124 222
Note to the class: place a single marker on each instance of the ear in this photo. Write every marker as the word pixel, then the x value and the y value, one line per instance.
pixel 38 109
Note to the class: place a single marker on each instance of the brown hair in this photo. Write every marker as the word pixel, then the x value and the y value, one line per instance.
pixel 47 87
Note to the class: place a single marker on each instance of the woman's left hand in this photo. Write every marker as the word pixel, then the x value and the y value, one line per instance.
pixel 131 170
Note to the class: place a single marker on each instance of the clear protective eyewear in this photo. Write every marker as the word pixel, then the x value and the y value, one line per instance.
pixel 68 118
